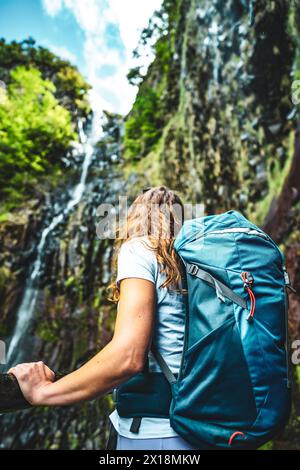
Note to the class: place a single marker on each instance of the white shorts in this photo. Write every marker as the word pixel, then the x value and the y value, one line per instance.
pixel 163 443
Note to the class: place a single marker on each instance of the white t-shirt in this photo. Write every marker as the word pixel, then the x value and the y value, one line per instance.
pixel 136 260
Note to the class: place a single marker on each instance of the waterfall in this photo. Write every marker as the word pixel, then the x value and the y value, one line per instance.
pixel 26 309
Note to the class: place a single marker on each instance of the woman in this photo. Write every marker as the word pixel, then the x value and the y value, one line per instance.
pixel 150 307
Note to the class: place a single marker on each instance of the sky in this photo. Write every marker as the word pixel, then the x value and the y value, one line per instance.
pixel 96 35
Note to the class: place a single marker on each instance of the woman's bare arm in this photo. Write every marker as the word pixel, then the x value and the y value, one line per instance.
pixel 123 357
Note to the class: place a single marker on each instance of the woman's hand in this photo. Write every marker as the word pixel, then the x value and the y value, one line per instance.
pixel 120 359
pixel 33 378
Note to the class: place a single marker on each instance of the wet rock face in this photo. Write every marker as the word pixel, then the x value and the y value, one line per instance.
pixel 228 138
pixel 293 266
pixel 71 323
pixel 226 122
pixel 72 317
pixel 17 239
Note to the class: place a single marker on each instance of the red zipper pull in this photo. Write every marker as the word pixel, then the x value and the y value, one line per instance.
pixel 234 435
pixel 248 286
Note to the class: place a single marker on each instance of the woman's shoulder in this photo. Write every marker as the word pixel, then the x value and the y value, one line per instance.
pixel 142 244
pixel 137 259
pixel 138 248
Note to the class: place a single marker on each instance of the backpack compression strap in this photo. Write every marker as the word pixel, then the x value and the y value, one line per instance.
pixel 221 289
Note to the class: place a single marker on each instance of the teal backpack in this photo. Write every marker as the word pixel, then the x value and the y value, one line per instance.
pixel 233 390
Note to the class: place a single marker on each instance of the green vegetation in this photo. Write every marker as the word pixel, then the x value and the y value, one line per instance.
pixel 146 120
pixel 71 89
pixel 41 99
pixel 35 132
pixel 276 179
pixel 143 126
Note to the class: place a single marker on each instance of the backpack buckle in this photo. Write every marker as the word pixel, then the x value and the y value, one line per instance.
pixel 286 277
pixel 193 269
pixel 247 278
pixel 114 395
pixel 287 280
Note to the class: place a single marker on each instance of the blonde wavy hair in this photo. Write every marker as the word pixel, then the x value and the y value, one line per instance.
pixel 156 215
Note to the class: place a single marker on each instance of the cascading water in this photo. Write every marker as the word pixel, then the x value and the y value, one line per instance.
pixel 26 310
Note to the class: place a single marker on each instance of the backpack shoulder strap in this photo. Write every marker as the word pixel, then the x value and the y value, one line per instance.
pixel 163 365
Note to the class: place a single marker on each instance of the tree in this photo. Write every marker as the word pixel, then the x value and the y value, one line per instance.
pixel 35 131
pixel 71 88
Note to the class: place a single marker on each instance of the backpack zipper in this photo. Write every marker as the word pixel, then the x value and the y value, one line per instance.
pixel 247 230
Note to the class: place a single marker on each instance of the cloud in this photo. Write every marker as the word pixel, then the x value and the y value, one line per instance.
pixel 52 7
pixel 111 32
pixel 61 51
pixel 132 16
